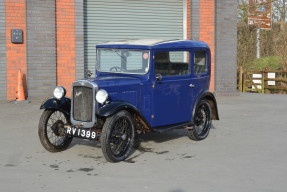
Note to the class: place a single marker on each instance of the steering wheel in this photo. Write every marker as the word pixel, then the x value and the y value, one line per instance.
pixel 116 69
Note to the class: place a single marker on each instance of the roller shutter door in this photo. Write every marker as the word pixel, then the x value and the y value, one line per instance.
pixel 109 20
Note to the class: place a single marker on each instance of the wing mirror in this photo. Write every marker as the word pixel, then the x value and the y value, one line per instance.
pixel 89 73
pixel 158 77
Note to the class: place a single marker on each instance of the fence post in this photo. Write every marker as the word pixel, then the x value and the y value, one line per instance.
pixel 263 82
pixel 243 82
pixel 240 87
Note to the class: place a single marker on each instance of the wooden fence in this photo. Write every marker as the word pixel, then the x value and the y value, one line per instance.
pixel 263 81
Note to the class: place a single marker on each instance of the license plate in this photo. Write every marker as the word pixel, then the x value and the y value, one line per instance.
pixel 81 132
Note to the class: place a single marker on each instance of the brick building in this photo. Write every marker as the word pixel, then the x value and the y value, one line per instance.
pixel 59 37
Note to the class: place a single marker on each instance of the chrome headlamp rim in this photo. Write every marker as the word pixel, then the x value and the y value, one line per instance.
pixel 59 92
pixel 102 96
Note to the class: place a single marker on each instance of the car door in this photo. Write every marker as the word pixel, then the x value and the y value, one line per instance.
pixel 172 92
pixel 200 58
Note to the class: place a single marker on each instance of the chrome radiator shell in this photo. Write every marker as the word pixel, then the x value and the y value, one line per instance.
pixel 83 103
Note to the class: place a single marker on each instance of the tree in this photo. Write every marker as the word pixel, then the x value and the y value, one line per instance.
pixel 279 10
pixel 242 10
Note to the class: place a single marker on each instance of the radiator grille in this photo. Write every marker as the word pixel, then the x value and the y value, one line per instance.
pixel 82 103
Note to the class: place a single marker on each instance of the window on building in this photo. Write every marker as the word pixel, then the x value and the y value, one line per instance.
pixel 172 63
pixel 200 65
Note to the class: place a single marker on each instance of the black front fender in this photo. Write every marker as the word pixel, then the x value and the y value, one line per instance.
pixel 63 105
pixel 113 107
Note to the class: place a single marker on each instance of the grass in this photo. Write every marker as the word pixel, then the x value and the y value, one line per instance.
pixel 265 63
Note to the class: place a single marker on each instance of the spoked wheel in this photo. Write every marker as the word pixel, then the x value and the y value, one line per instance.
pixel 51 131
pixel 117 137
pixel 202 121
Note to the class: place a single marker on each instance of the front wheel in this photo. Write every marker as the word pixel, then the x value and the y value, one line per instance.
pixel 202 121
pixel 117 138
pixel 51 131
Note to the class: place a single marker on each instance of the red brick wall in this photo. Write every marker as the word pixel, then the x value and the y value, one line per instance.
pixel 66 59
pixel 15 53
pixel 207 30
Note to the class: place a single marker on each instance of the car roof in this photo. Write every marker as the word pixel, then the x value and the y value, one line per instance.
pixel 153 44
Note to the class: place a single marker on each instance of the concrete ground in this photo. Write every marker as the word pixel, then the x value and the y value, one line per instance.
pixel 245 151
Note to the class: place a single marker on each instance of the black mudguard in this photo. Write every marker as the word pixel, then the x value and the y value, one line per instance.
pixel 63 105
pixel 114 107
pixel 212 101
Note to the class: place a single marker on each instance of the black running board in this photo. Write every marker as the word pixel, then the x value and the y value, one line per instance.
pixel 173 126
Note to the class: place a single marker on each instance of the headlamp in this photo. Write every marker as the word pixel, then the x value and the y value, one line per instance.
pixel 102 96
pixel 59 92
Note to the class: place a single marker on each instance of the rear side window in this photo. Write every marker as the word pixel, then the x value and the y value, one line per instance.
pixel 172 63
pixel 200 64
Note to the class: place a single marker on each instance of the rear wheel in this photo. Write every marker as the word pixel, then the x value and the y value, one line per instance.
pixel 202 121
pixel 117 138
pixel 51 131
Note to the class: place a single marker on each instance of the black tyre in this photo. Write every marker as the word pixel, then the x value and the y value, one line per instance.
pixel 51 131
pixel 117 138
pixel 202 121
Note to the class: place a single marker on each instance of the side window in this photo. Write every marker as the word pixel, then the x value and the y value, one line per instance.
pixel 172 63
pixel 200 65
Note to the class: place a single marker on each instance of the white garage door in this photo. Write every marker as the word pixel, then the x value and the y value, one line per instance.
pixel 109 20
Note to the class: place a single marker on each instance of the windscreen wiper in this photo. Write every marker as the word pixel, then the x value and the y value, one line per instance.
pixel 119 55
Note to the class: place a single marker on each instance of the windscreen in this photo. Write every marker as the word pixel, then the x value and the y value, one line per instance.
pixel 124 61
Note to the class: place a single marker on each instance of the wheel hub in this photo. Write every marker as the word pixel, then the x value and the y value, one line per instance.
pixel 124 136
pixel 58 128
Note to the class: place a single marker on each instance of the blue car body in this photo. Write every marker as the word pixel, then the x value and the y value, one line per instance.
pixel 161 104
pixel 139 86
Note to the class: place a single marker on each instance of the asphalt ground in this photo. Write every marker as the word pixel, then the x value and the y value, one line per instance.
pixel 245 151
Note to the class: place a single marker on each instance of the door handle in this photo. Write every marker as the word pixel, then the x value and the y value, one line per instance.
pixel 191 85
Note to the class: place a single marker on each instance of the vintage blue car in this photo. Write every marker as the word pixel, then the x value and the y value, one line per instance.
pixel 139 86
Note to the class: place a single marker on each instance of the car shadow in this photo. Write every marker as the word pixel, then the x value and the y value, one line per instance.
pixel 160 137
pixel 157 137
pixel 86 142
pixel 141 142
